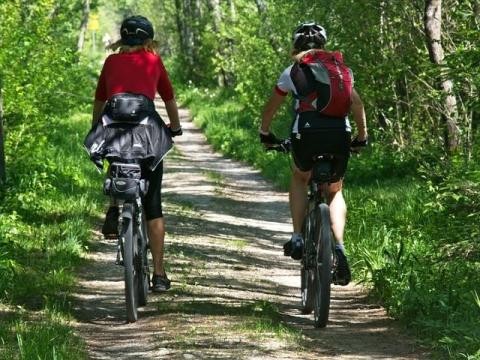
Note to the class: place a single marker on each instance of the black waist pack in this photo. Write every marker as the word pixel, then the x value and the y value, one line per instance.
pixel 129 107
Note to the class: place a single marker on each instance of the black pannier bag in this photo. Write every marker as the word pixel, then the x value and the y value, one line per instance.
pixel 129 107
pixel 124 181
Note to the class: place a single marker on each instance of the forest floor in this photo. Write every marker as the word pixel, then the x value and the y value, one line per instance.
pixel 234 295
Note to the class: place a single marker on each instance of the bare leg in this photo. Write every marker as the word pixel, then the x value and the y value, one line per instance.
pixel 298 197
pixel 156 233
pixel 338 210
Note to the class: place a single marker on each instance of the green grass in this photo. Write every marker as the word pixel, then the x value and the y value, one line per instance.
pixel 45 336
pixel 412 232
pixel 51 198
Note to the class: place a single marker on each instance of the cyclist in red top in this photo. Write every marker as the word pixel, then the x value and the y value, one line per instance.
pixel 314 133
pixel 137 69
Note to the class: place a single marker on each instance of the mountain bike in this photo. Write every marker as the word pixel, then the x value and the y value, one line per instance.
pixel 319 260
pixel 126 187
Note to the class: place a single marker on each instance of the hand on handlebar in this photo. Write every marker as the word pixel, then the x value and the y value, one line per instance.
pixel 356 145
pixel 176 132
pixel 272 143
pixel 283 146
pixel 269 139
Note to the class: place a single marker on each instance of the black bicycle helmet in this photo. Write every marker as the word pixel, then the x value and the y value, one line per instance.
pixel 135 30
pixel 309 36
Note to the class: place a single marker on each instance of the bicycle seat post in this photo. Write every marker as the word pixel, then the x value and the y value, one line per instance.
pixel 322 174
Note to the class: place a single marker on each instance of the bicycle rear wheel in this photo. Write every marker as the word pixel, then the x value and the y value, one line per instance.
pixel 129 240
pixel 143 271
pixel 323 268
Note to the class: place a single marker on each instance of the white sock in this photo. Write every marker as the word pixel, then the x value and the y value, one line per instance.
pixel 340 247
pixel 296 236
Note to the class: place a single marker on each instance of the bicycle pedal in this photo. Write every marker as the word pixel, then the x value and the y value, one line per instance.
pixel 119 262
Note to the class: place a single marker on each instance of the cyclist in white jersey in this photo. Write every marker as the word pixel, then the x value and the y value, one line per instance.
pixel 314 133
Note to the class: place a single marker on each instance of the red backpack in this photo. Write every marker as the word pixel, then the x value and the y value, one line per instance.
pixel 323 83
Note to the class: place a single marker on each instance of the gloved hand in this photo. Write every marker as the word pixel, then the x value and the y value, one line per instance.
pixel 269 139
pixel 356 144
pixel 176 132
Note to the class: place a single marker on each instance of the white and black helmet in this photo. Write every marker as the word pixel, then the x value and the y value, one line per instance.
pixel 309 36
pixel 135 30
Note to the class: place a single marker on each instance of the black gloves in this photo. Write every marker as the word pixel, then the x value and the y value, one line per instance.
pixel 269 139
pixel 356 145
pixel 176 132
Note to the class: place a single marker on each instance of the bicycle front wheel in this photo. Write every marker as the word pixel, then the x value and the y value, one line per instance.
pixel 323 266
pixel 129 241
pixel 307 276
pixel 307 287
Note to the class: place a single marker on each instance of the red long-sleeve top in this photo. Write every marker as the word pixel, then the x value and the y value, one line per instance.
pixel 139 72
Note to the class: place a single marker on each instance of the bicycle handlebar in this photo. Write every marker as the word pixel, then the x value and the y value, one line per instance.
pixel 285 146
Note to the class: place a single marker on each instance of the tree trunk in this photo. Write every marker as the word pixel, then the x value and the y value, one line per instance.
pixel 2 153
pixel 233 11
pixel 83 25
pixel 476 11
pixel 217 22
pixel 261 6
pixel 184 15
pixel 433 32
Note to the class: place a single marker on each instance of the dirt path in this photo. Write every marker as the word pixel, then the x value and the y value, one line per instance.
pixel 234 295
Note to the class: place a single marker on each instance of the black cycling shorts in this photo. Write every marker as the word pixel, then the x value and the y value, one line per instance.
pixel 152 202
pixel 332 141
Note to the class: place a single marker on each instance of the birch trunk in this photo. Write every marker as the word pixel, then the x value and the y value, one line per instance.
pixel 433 33
pixel 83 25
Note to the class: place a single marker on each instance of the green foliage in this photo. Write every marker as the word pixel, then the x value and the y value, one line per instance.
pixel 48 201
pixel 46 213
pixel 38 64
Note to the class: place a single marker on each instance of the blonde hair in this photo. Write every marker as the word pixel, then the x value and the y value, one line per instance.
pixel 298 55
pixel 149 45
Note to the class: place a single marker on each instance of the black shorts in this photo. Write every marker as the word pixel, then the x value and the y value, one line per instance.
pixel 152 202
pixel 311 144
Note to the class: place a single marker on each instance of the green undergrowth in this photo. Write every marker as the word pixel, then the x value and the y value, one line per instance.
pixel 48 205
pixel 233 130
pixel 412 232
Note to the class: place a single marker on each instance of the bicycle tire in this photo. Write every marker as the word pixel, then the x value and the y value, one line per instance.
pixel 323 266
pixel 307 288
pixel 129 251
pixel 143 268
pixel 306 273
